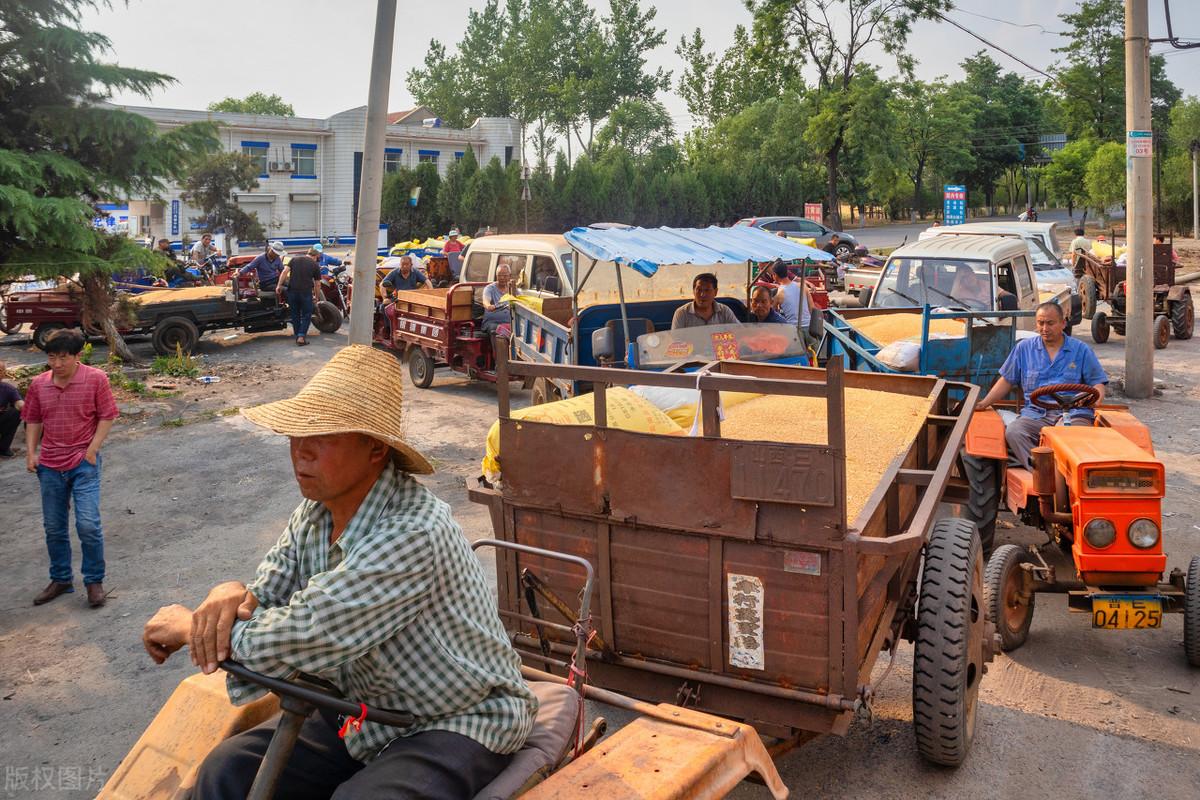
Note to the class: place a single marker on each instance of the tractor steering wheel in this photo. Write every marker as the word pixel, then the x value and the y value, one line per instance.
pixel 1065 396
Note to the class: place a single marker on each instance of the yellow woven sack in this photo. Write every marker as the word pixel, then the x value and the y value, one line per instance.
pixel 626 411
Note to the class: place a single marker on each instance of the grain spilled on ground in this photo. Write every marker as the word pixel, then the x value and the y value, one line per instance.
pixel 879 427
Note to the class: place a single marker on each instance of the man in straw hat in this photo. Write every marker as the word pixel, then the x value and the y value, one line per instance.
pixel 374 587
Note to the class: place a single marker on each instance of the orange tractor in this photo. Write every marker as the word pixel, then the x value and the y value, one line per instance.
pixel 1096 491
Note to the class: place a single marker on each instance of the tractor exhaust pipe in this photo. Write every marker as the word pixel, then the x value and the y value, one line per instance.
pixel 1044 486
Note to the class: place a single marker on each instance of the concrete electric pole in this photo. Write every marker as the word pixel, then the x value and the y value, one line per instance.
pixel 370 192
pixel 1195 147
pixel 1139 329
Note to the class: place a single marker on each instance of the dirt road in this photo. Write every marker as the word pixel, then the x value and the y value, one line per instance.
pixel 198 499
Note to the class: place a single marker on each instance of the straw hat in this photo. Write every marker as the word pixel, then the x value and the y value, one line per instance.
pixel 358 391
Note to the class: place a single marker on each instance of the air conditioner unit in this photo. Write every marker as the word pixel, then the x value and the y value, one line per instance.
pixel 274 166
pixel 288 166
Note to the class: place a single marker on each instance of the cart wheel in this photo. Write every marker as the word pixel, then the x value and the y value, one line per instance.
pixel 543 392
pixel 1100 328
pixel 1089 295
pixel 44 332
pixel 1162 332
pixel 948 658
pixel 5 325
pixel 1011 613
pixel 326 317
pixel 1191 613
pixel 175 333
pixel 420 367
pixel 1183 317
pixel 983 500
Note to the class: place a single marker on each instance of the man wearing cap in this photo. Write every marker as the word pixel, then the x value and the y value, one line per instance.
pixel 268 266
pixel 453 245
pixel 324 260
pixel 373 587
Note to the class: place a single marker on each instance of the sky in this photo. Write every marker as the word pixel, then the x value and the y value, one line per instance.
pixel 316 54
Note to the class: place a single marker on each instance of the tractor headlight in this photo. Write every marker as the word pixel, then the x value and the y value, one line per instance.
pixel 1100 533
pixel 1143 533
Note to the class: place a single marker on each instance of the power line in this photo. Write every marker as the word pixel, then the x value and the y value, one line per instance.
pixel 1014 24
pixel 994 46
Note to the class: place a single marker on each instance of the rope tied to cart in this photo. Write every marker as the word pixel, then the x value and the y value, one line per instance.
pixel 354 724
pixel 577 676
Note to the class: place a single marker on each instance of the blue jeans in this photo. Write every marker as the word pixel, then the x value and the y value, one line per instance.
pixel 301 304
pixel 59 488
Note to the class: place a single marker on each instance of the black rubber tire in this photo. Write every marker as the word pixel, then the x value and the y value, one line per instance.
pixel 5 326
pixel 841 251
pixel 948 656
pixel 172 332
pixel 44 332
pixel 1162 332
pixel 543 391
pixel 327 318
pixel 983 500
pixel 1012 627
pixel 1191 613
pixel 420 367
pixel 1089 295
pixel 1100 328
pixel 1183 317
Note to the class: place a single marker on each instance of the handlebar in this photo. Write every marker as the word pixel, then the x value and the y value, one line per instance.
pixel 321 699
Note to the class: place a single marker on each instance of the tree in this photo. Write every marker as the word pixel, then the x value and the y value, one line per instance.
pixel 1105 178
pixel 209 187
pixel 934 123
pixel 271 105
pixel 747 73
pixel 454 186
pixel 833 46
pixel 1092 84
pixel 636 126
pixel 1064 175
pixel 62 152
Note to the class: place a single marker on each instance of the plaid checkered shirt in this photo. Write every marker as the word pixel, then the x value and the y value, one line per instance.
pixel 396 614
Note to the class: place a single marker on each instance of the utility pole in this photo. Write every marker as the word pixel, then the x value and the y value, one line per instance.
pixel 370 191
pixel 1195 148
pixel 1139 340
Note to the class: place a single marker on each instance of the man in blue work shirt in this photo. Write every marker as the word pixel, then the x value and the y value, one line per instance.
pixel 268 265
pixel 324 260
pixel 1050 357
pixel 405 277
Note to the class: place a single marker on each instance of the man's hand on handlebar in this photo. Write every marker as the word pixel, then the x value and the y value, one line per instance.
pixel 212 623
pixel 167 631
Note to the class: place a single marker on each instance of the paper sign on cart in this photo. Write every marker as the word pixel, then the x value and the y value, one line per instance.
pixel 745 621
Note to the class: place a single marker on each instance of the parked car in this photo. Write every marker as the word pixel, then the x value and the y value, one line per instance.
pixel 801 228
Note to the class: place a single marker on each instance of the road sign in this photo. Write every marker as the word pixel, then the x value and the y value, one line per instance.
pixel 813 211
pixel 1139 144
pixel 954 205
pixel 174 217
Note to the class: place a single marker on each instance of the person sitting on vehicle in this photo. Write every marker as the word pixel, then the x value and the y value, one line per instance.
pixel 792 298
pixel 405 277
pixel 324 260
pixel 203 249
pixel 1160 239
pixel 762 308
pixel 1080 243
pixel 374 587
pixel 832 246
pixel 970 288
pixel 11 404
pixel 453 245
pixel 1050 357
pixel 267 266
pixel 496 313
pixel 704 308
pixel 174 273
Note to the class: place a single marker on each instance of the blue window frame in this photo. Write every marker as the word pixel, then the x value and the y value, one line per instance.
pixel 458 155
pixel 428 156
pixel 393 159
pixel 258 154
pixel 304 161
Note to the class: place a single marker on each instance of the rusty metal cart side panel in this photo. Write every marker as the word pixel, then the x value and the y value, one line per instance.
pixel 741 590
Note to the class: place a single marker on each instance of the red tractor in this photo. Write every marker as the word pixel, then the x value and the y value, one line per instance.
pixel 1096 492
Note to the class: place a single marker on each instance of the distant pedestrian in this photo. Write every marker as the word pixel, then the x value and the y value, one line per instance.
pixel 69 411
pixel 10 413
pixel 301 279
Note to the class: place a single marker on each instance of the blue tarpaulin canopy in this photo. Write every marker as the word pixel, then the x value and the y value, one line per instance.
pixel 647 249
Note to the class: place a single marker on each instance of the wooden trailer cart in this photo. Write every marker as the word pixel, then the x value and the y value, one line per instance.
pixel 730 577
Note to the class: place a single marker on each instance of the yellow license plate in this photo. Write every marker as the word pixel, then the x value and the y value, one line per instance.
pixel 1119 613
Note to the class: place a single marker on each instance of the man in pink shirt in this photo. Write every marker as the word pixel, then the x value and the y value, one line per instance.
pixel 69 410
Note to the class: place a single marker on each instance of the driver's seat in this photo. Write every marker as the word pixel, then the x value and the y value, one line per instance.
pixel 553 733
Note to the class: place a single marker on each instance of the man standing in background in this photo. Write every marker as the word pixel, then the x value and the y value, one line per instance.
pixel 69 411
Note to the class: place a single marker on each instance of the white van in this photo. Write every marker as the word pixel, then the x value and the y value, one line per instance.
pixel 541 264
pixel 1039 236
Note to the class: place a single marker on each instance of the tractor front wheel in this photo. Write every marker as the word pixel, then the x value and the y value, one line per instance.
pixel 327 318
pixel 1089 294
pixel 1191 613
pixel 1100 328
pixel 1007 605
pixel 1183 317
pixel 1162 332
pixel 948 659
pixel 983 499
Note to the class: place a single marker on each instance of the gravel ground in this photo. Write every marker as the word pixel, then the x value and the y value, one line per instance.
pixel 192 496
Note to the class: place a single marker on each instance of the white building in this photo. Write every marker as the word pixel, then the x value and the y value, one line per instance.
pixel 311 168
